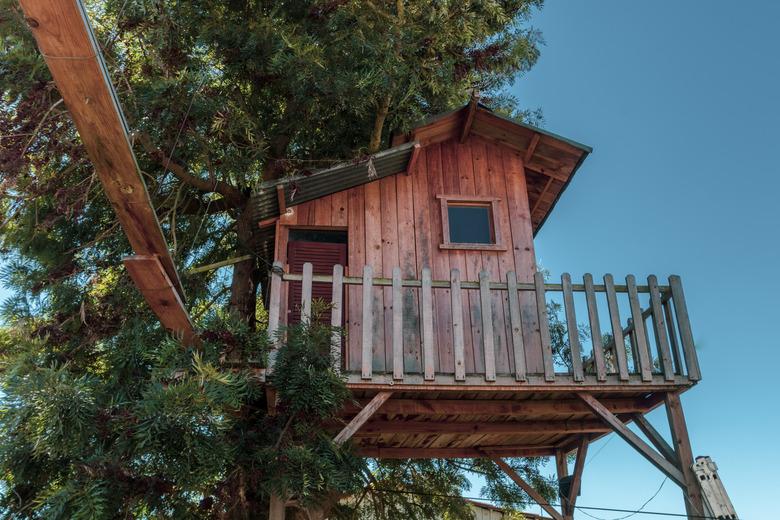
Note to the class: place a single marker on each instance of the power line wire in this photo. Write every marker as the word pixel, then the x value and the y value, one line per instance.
pixel 553 504
pixel 638 511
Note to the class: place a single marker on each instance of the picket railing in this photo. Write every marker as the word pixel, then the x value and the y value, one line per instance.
pixel 485 316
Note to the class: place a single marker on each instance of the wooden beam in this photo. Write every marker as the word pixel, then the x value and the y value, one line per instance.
pixel 579 466
pixel 267 222
pixel 682 445
pixel 64 37
pixel 276 508
pixel 377 452
pixel 655 438
pixel 529 153
pixel 469 120
pixel 528 488
pixel 159 292
pixel 634 440
pixel 541 195
pixel 361 418
pixel 481 427
pixel 562 470
pixel 529 407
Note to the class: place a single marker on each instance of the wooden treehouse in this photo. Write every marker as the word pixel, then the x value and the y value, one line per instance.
pixel 425 253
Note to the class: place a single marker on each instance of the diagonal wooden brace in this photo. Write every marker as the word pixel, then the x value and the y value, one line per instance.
pixel 666 467
pixel 525 486
pixel 362 417
pixel 656 438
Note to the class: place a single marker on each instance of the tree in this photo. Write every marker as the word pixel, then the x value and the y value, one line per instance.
pixel 103 412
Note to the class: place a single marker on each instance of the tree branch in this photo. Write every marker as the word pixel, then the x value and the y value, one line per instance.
pixel 231 194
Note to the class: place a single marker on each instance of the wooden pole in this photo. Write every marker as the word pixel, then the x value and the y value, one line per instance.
pixel 276 508
pixel 682 447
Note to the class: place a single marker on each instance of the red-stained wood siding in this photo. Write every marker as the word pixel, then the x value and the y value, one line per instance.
pixel 396 221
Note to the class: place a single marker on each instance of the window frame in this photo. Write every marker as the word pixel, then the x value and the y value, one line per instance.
pixel 492 203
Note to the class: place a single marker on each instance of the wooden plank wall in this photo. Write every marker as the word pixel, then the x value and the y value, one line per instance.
pixel 396 221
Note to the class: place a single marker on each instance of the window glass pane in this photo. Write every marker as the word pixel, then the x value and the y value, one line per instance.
pixel 470 224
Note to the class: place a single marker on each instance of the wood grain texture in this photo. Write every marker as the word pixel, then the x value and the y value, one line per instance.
pixel 528 488
pixel 619 343
pixel 595 328
pixel 72 54
pixel 457 325
pixel 544 329
pixel 659 328
pixel 572 328
pixel 639 335
pixel 360 419
pixel 367 338
pixel 684 326
pixel 159 292
pixel 337 315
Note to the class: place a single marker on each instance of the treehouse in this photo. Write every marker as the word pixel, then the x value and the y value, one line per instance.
pixel 454 345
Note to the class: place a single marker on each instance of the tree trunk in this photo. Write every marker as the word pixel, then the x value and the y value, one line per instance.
pixel 246 277
pixel 383 109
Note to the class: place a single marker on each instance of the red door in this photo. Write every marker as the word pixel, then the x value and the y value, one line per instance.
pixel 323 256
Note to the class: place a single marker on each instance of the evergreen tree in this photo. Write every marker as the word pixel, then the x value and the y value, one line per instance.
pixel 102 414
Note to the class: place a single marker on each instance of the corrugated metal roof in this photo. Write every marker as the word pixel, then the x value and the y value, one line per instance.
pixel 303 188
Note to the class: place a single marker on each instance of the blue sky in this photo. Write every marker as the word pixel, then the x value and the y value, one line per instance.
pixel 681 102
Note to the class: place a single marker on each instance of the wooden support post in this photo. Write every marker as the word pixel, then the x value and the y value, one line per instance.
pixel 562 470
pixel 528 488
pixel 682 446
pixel 666 467
pixel 579 466
pixel 360 419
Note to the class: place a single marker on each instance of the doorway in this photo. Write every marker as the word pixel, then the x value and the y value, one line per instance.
pixel 323 249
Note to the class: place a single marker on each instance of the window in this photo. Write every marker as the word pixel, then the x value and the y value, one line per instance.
pixel 469 222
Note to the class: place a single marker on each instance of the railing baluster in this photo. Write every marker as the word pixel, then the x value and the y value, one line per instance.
pixel 629 332
pixel 544 327
pixel 336 313
pixel 659 328
pixel 427 324
pixel 274 308
pixel 488 341
pixel 308 271
pixel 368 324
pixel 684 325
pixel 516 324
pixel 571 325
pixel 617 327
pixel 595 328
pixel 398 324
pixel 457 325
pixel 645 367
pixel 675 345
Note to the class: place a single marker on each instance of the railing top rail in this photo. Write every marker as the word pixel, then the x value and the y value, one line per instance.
pixel 445 284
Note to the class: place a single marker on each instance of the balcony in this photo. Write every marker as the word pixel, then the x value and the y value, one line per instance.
pixel 504 334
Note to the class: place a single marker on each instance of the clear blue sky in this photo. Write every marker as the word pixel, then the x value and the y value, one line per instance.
pixel 681 102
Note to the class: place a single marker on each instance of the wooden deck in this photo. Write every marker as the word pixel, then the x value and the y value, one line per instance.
pixel 431 412
pixel 592 339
